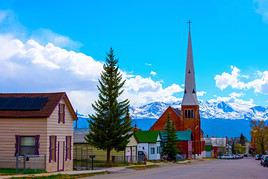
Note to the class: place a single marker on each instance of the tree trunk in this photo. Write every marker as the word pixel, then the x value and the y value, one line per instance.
pixel 108 159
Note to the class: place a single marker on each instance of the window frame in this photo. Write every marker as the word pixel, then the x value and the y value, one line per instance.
pixel 61 115
pixel 68 147
pixel 52 151
pixel 158 150
pixel 152 150
pixel 19 147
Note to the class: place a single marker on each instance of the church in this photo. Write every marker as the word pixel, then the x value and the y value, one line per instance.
pixel 188 117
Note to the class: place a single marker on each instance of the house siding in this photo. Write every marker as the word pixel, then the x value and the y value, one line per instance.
pixel 61 130
pixel 25 127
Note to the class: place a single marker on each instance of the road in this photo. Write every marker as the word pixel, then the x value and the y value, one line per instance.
pixel 209 169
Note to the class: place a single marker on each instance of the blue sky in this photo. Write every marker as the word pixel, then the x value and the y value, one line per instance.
pixel 150 39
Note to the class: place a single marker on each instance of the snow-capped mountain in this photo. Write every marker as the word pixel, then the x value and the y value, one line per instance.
pixel 208 110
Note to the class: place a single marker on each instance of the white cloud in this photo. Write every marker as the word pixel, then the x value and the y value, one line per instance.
pixel 201 93
pixel 29 66
pixel 233 80
pixel 142 90
pixel 229 79
pixel 153 73
pixel 148 64
pixel 47 36
pixel 261 7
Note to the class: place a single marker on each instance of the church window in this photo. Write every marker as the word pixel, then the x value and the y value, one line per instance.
pixel 189 114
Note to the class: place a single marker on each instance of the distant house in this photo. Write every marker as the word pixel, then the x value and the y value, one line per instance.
pixel 149 142
pixel 215 146
pixel 82 150
pixel 184 141
pixel 40 126
pixel 131 152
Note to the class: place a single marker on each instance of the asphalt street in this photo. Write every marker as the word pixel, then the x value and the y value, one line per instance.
pixel 209 169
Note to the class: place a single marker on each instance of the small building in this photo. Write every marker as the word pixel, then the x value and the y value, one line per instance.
pixel 184 142
pixel 82 151
pixel 39 126
pixel 149 142
pixel 215 146
pixel 131 154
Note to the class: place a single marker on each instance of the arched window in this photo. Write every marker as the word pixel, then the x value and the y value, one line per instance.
pixel 189 114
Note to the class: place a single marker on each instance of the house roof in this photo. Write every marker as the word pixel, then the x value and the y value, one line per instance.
pixel 32 105
pixel 180 135
pixel 146 136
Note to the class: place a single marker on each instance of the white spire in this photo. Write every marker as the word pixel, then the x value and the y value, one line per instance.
pixel 189 97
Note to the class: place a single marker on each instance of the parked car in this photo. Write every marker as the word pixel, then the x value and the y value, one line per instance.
pixel 258 157
pixel 263 159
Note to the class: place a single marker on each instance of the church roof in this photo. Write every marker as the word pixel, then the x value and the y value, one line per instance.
pixel 189 97
pixel 180 135
pixel 146 136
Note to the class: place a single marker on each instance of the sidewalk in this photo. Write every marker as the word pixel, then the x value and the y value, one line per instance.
pixel 82 172
pixel 113 169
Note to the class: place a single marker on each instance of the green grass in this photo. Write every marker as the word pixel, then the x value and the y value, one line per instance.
pixel 10 171
pixel 99 163
pixel 142 167
pixel 63 176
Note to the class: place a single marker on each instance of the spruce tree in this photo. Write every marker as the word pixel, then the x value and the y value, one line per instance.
pixel 170 148
pixel 110 126
pixel 242 140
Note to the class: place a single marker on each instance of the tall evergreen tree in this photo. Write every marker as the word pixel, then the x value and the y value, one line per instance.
pixel 242 140
pixel 110 126
pixel 170 148
pixel 233 147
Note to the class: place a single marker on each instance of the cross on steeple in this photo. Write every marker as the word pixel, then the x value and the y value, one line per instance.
pixel 189 22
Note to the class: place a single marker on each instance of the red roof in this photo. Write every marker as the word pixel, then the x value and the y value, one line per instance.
pixel 53 100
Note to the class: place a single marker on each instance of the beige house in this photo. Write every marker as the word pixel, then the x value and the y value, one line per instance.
pixel 131 150
pixel 37 125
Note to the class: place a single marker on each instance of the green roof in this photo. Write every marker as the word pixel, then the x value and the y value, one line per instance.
pixel 180 135
pixel 146 136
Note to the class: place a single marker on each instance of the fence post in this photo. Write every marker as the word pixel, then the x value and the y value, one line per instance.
pixel 17 162
pixel 45 160
pixel 24 163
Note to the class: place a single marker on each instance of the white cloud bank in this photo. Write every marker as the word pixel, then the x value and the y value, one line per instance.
pixel 234 80
pixel 30 66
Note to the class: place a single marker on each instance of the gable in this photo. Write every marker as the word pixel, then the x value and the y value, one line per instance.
pixel 175 116
pixel 32 105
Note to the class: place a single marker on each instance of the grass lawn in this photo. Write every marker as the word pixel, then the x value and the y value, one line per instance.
pixel 63 176
pixel 142 167
pixel 98 163
pixel 12 171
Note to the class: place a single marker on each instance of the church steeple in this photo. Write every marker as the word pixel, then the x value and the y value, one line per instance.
pixel 189 97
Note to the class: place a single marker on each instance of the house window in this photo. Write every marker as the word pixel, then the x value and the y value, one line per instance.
pixel 189 114
pixel 152 150
pixel 61 113
pixel 68 147
pixel 52 148
pixel 158 150
pixel 27 145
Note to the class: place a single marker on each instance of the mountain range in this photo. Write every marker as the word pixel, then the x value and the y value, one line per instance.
pixel 218 119
pixel 208 110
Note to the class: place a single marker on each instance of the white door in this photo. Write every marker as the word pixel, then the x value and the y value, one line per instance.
pixel 61 155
